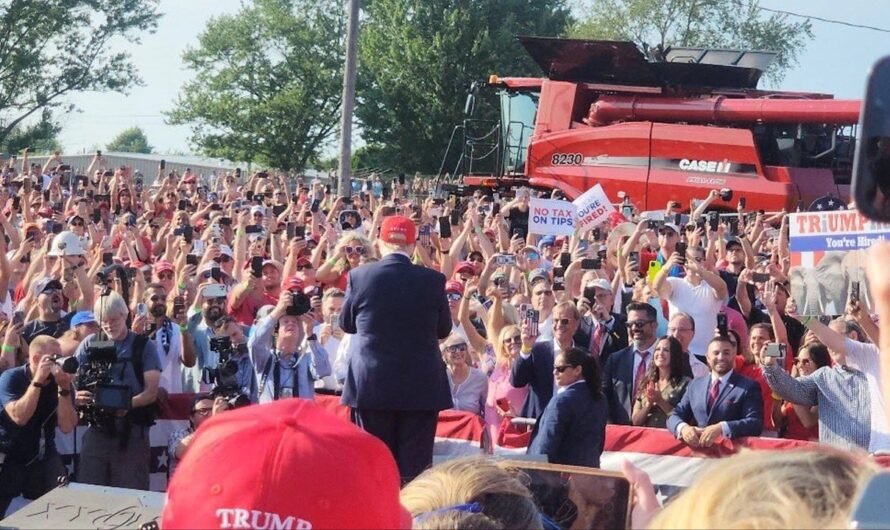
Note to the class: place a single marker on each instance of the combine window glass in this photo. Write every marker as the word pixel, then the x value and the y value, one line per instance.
pixel 518 110
pixel 808 146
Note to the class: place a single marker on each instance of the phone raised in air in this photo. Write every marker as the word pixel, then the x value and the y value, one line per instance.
pixel 591 264
pixel 444 227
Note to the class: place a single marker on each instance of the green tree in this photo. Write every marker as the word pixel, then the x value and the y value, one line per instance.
pixel 268 82
pixel 417 58
pixel 733 24
pixel 50 49
pixel 41 137
pixel 132 140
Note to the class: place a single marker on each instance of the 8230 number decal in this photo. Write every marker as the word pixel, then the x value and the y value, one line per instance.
pixel 567 159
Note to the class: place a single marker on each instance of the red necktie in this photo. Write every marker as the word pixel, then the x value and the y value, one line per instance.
pixel 641 371
pixel 596 341
pixel 712 395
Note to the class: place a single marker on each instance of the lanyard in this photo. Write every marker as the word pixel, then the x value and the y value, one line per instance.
pixel 276 373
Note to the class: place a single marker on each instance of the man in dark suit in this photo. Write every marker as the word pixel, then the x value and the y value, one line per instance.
pixel 602 331
pixel 723 404
pixel 534 366
pixel 396 382
pixel 624 369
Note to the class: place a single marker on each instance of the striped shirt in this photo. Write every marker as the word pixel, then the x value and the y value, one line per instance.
pixel 842 395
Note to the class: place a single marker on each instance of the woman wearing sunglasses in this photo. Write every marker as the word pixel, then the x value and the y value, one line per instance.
pixel 347 255
pixel 469 386
pixel 572 429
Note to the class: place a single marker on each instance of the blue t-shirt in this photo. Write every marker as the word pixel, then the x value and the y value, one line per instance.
pixel 23 442
pixel 122 372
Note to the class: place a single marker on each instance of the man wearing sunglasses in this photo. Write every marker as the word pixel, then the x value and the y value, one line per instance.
pixel 203 407
pixel 396 382
pixel 200 328
pixel 700 294
pixel 625 369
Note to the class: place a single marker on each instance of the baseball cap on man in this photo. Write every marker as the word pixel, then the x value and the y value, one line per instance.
pixel 288 439
pixel 398 230
pixel 46 283
pixel 732 242
pixel 537 275
pixel 83 317
pixel 465 266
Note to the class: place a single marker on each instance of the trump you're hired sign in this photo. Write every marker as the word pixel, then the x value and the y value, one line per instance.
pixel 842 230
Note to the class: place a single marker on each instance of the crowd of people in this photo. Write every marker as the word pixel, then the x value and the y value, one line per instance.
pixel 408 300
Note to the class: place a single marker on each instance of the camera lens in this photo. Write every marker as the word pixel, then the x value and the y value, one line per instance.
pixel 229 369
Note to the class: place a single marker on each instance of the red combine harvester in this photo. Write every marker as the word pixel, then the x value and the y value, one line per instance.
pixel 670 126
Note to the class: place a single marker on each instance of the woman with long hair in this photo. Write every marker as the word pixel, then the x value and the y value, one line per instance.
pixel 662 387
pixel 572 429
pixel 503 398
pixel 345 256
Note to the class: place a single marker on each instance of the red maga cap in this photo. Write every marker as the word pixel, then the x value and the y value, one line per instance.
pixel 398 230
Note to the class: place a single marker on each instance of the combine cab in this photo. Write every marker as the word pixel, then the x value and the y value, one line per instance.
pixel 670 126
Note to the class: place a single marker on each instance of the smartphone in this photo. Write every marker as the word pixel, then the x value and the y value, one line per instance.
pixel 591 264
pixel 532 317
pixel 503 404
pixel 722 325
pixel 597 234
pixel 565 259
pixel 256 266
pixel 455 218
pixel 183 205
pixel 16 202
pixel 652 224
pixel 760 277
pixel 776 349
pixel 854 292
pixel 216 272
pixel 589 293
pixel 225 221
pixel 569 495
pixel 163 164
pixel 178 305
pixel 315 205
pixel 634 257
pixel 18 318
pixel 681 250
pixel 505 259
pixel 627 211
pixel 50 226
pixel 423 235
pixel 253 229
pixel 46 196
pixel 141 310
pixel 559 279
pixel 107 258
pixel 248 195
pixel 215 290
pixel 444 227
pixel 191 259
pixel 198 247
pixel 713 221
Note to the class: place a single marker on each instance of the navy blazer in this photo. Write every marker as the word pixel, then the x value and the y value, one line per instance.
pixel 739 404
pixel 537 373
pixel 572 429
pixel 618 385
pixel 615 340
pixel 397 312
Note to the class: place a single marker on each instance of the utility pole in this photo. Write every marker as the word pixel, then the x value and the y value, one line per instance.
pixel 345 172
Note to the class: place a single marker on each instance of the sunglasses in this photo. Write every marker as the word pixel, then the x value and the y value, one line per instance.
pixel 639 323
pixel 165 276
pixel 223 259
pixel 158 298
pixel 356 250
pixel 457 348
pixel 562 368
pixel 453 297
pixel 532 255
pixel 513 340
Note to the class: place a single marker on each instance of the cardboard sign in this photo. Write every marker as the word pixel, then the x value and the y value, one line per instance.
pixel 551 217
pixel 594 208
pixel 828 259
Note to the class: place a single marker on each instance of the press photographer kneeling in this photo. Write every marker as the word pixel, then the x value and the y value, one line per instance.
pixel 35 398
pixel 117 385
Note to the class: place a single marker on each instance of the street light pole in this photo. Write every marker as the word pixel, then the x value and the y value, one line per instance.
pixel 345 173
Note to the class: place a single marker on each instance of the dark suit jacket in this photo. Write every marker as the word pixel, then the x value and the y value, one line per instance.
pixel 739 404
pixel 618 385
pixel 398 312
pixel 537 373
pixel 616 338
pixel 572 430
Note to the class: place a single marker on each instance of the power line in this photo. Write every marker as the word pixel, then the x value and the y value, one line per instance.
pixel 828 20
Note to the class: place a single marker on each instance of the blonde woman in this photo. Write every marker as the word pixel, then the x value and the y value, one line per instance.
pixel 771 489
pixel 348 254
pixel 503 398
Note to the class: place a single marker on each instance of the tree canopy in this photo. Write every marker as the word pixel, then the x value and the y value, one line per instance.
pixel 39 137
pixel 417 58
pixel 132 140
pixel 268 82
pixel 53 48
pixel 733 24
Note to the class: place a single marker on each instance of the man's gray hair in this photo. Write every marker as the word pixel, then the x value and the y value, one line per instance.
pixel 687 316
pixel 111 305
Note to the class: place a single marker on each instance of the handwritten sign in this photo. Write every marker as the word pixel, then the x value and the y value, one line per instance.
pixel 551 217
pixel 594 208
pixel 84 506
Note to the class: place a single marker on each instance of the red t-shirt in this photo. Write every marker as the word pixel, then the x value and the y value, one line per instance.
pixel 755 373
pixel 794 429
pixel 246 312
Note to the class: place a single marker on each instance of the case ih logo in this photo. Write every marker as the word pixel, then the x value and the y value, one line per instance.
pixel 707 166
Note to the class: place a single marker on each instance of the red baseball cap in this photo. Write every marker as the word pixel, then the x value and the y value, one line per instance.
pixel 349 478
pixel 292 284
pixel 163 266
pixel 465 266
pixel 398 230
pixel 454 286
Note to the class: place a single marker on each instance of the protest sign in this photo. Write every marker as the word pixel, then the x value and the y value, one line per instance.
pixel 594 208
pixel 828 257
pixel 551 217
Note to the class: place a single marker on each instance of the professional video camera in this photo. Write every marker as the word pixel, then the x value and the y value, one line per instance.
pixel 225 382
pixel 95 375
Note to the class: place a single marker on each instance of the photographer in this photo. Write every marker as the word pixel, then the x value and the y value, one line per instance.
pixel 213 303
pixel 288 369
pixel 235 374
pixel 203 407
pixel 115 448
pixel 36 398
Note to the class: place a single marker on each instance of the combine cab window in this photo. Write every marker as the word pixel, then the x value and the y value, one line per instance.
pixel 518 110
pixel 807 145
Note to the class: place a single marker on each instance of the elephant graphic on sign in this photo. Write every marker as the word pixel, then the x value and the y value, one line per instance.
pixel 825 288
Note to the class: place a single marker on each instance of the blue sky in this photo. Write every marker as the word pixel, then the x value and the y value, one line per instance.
pixel 836 61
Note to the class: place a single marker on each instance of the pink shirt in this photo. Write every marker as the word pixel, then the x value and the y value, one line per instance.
pixel 499 387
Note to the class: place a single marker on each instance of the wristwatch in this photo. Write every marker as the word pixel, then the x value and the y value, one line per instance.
pixel 312 337
pixel 64 392
pixel 36 384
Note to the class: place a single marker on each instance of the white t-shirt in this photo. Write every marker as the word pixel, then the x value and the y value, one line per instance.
pixel 701 304
pixel 330 346
pixel 866 358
